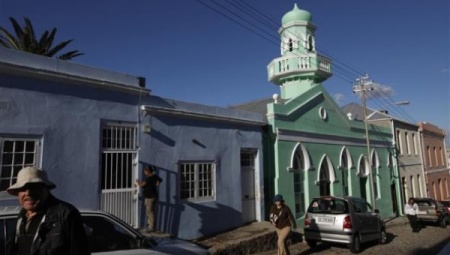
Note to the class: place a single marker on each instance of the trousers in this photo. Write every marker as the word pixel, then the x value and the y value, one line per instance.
pixel 150 211
pixel 282 238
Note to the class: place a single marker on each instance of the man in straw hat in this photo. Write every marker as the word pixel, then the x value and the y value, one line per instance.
pixel 45 225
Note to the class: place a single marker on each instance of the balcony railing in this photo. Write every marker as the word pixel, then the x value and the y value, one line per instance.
pixel 299 64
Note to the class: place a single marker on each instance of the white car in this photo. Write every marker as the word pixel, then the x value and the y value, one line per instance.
pixel 108 234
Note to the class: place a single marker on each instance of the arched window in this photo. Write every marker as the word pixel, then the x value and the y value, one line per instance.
pixel 326 176
pixel 345 165
pixel 300 163
pixel 310 44
pixel 375 174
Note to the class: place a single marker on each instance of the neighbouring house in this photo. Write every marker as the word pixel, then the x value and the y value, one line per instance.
pixel 436 169
pixel 311 147
pixel 407 154
pixel 93 130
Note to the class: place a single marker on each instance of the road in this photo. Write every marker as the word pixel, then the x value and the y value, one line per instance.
pixel 401 241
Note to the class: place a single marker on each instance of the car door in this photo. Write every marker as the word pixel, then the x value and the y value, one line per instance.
pixel 364 223
pixel 372 223
pixel 7 227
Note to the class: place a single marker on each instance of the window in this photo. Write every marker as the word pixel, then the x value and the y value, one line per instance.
pixel 413 186
pixel 345 169
pixel 399 142
pixel 435 157
pixel 442 155
pixel 408 146
pixel 419 185
pixel 119 151
pixel 197 180
pixel 414 143
pixel 429 155
pixel 299 167
pixel 15 155
pixel 106 236
pixel 290 44
pixel 375 175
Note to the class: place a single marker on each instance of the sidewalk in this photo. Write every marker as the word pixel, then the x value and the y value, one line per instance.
pixel 260 237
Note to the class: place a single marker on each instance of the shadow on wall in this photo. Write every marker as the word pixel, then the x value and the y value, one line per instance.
pixel 214 218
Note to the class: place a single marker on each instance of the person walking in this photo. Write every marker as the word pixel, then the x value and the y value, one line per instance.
pixel 411 212
pixel 282 219
pixel 150 193
pixel 45 225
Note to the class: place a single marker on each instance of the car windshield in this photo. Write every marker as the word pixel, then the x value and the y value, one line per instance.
pixel 328 205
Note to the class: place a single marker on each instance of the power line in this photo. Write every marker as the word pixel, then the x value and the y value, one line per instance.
pixel 338 73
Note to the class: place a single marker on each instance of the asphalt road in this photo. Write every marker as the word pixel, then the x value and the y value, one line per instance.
pixel 401 241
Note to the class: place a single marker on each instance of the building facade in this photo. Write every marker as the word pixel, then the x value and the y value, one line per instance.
pixel 312 148
pixel 93 130
pixel 407 153
pixel 437 172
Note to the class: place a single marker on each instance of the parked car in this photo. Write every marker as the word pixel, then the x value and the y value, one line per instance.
pixel 446 205
pixel 431 211
pixel 108 234
pixel 347 220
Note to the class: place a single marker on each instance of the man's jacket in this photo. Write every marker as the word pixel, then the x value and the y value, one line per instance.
pixel 60 232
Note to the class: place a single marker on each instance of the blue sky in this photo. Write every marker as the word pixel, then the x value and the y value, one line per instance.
pixel 188 52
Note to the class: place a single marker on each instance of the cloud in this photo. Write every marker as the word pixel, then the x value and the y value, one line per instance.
pixel 445 70
pixel 339 98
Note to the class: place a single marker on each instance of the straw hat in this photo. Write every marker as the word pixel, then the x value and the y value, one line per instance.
pixel 30 175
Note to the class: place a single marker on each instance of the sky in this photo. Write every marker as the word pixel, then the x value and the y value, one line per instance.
pixel 216 52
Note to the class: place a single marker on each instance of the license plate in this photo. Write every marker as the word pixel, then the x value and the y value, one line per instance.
pixel 325 220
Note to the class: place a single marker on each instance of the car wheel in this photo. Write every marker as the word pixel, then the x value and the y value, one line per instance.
pixel 311 243
pixel 383 237
pixel 355 246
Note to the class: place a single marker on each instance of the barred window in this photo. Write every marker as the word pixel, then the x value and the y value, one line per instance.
pixel 197 180
pixel 16 154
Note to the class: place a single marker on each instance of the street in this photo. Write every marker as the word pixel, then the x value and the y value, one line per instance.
pixel 401 240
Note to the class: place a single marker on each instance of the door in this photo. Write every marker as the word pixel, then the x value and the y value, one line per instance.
pixel 118 171
pixel 394 200
pixel 248 158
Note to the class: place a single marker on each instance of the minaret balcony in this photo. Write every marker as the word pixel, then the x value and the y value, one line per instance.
pixel 314 65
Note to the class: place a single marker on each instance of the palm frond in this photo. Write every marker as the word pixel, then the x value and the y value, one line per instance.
pixel 25 40
pixel 71 54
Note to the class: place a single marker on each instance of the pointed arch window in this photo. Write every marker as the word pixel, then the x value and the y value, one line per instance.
pixel 375 173
pixel 345 165
pixel 300 163
pixel 299 186
pixel 363 167
pixel 310 43
pixel 326 176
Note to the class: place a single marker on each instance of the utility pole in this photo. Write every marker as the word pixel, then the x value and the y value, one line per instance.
pixel 363 85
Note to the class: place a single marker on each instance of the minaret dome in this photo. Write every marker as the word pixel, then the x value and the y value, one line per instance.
pixel 296 14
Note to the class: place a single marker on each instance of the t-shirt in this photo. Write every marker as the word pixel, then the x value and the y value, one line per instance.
pixel 26 235
pixel 151 189
pixel 411 210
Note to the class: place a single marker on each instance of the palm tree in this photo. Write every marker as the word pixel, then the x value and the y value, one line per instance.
pixel 25 40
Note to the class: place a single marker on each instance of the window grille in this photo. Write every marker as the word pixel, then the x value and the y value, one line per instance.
pixel 118 167
pixel 197 180
pixel 16 154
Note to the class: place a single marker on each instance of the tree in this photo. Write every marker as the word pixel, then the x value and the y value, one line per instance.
pixel 25 40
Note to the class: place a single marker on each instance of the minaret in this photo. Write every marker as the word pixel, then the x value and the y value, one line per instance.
pixel 300 67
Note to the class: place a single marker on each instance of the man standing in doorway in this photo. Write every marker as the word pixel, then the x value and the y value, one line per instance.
pixel 150 193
